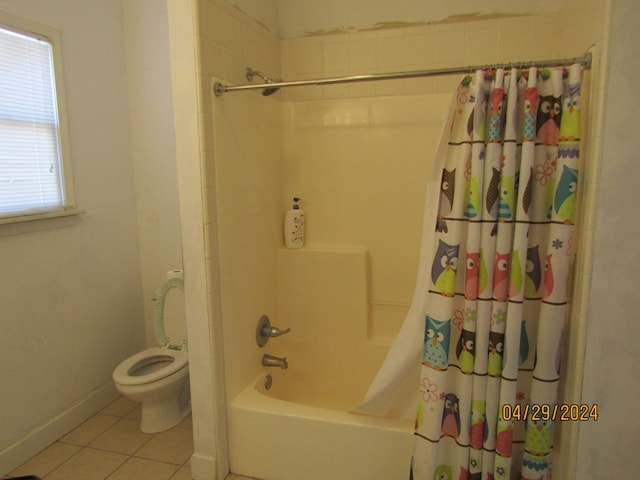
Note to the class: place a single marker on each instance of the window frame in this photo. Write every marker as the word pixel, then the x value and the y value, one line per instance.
pixel 51 36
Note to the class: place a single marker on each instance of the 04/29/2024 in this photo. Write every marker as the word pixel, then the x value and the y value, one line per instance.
pixel 563 412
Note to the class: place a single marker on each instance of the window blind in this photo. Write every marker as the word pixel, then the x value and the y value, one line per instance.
pixel 30 164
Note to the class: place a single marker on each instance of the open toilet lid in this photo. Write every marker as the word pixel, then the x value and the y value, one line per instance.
pixel 169 318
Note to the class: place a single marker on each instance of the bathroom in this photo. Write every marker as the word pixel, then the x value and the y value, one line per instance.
pixel 77 310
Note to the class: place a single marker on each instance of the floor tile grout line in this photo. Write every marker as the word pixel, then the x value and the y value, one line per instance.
pixel 151 437
pixel 133 454
pixel 130 414
pixel 161 461
pixel 83 423
pixel 58 466
pixel 129 457
pixel 175 473
pixel 155 461
pixel 115 469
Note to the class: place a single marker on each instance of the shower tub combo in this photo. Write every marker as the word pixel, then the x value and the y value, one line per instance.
pixel 344 295
pixel 301 426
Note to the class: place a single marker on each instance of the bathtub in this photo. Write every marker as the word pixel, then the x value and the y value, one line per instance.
pixel 301 428
pixel 275 439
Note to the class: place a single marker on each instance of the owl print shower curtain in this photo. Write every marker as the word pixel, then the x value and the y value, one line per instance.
pixel 485 326
pixel 496 299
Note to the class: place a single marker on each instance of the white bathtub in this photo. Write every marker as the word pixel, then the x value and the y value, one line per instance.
pixel 274 439
pixel 300 428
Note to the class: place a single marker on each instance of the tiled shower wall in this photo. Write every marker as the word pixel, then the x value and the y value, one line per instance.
pixel 473 42
pixel 229 42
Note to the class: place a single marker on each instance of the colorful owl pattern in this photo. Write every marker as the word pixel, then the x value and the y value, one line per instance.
pixel 503 253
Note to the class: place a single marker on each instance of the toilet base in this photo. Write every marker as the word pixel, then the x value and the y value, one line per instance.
pixel 162 414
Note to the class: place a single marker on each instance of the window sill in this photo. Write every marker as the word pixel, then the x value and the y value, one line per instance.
pixel 40 221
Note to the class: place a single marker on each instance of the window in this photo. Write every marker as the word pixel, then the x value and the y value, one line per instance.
pixel 34 168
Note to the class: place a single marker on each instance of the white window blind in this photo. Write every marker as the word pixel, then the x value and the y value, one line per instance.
pixel 31 180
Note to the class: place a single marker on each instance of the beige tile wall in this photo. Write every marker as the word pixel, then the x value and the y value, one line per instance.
pixel 432 46
pixel 229 41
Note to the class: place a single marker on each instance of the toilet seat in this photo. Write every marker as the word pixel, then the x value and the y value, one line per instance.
pixel 173 360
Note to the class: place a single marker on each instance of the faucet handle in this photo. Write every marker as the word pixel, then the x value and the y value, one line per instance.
pixel 264 331
pixel 274 331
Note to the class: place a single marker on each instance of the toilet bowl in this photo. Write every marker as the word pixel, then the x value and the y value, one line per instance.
pixel 159 377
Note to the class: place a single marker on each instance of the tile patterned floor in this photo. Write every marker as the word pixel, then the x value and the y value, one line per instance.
pixel 111 446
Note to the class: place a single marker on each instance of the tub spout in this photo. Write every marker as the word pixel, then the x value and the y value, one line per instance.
pixel 271 361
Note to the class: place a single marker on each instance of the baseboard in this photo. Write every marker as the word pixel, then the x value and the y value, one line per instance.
pixel 40 438
pixel 203 467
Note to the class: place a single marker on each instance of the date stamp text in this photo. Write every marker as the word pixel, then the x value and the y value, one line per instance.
pixel 562 412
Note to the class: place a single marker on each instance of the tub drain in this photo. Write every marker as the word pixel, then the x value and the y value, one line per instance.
pixel 268 381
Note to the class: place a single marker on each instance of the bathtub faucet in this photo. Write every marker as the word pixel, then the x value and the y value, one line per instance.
pixel 264 331
pixel 271 361
pixel 274 331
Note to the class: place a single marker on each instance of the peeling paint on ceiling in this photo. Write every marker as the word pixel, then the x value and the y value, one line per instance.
pixel 296 18
pixel 398 24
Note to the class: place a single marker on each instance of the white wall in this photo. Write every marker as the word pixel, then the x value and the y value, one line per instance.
pixel 153 146
pixel 71 306
pixel 206 362
pixel 608 447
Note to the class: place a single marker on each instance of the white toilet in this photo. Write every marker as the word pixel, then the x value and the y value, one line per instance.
pixel 159 377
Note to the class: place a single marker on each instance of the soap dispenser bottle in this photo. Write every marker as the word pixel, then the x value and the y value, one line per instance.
pixel 294 226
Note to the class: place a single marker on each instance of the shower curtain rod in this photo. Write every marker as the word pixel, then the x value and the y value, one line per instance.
pixel 221 89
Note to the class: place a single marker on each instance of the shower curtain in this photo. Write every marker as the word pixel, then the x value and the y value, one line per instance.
pixel 486 324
